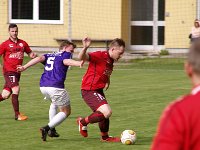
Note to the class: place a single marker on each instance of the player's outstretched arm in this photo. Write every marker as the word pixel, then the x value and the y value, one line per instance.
pixel 31 63
pixel 71 62
pixel 32 55
pixel 82 54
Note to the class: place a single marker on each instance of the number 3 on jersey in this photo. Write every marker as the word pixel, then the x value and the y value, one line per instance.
pixel 50 62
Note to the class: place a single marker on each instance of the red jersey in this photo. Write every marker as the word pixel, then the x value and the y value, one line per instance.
pixel 99 70
pixel 179 127
pixel 13 54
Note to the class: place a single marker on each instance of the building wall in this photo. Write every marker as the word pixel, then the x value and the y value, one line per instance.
pixel 178 22
pixel 34 34
pixel 125 19
pixel 98 19
pixel 3 20
pixel 102 19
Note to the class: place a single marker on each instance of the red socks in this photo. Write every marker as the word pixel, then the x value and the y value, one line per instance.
pixel 96 116
pixel 15 104
pixel 1 98
pixel 104 125
pixel 104 135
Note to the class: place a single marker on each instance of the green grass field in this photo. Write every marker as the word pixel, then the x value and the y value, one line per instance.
pixel 138 93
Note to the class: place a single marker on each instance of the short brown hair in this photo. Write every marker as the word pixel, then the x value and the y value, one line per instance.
pixel 194 56
pixel 117 42
pixel 12 25
pixel 66 43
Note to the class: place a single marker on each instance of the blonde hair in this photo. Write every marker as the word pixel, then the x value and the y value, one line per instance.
pixel 66 43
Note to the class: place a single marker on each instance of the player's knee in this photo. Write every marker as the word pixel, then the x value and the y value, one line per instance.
pixel 6 96
pixel 68 113
pixel 66 110
pixel 106 110
pixel 16 90
pixel 107 114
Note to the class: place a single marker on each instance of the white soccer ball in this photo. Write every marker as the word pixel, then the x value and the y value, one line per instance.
pixel 128 137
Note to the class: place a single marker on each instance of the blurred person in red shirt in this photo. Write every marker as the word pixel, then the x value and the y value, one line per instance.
pixel 179 127
pixel 94 81
pixel 13 51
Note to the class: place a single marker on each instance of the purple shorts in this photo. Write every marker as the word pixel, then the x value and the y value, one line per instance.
pixel 11 80
pixel 94 99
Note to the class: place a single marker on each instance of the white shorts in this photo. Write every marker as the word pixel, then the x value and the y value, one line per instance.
pixel 58 96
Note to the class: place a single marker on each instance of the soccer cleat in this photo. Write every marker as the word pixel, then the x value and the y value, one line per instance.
pixel 44 132
pixel 21 117
pixel 111 139
pixel 82 128
pixel 53 133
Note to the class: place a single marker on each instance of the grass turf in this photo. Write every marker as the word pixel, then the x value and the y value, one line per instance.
pixel 138 93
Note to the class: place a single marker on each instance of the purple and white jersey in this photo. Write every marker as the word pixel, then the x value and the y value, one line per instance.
pixel 54 70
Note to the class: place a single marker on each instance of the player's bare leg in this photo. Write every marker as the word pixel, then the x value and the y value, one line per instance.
pixel 5 94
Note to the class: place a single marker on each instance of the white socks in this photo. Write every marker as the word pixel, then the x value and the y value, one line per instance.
pixel 57 119
pixel 52 111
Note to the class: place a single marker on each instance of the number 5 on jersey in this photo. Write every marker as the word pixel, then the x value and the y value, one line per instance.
pixel 50 62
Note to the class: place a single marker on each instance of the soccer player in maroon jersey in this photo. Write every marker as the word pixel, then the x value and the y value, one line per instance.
pixel 179 127
pixel 94 81
pixel 12 51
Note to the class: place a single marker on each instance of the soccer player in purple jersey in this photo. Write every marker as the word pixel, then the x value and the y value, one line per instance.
pixel 52 84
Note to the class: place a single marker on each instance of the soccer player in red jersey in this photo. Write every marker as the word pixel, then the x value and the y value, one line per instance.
pixel 94 81
pixel 179 127
pixel 12 51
